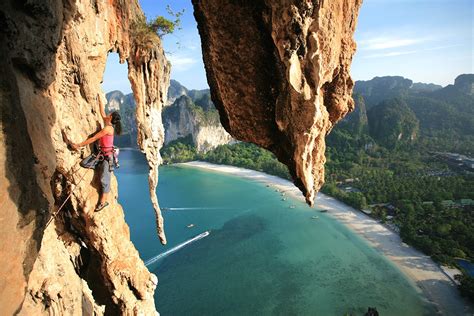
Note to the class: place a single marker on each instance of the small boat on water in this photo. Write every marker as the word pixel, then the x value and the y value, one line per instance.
pixel 165 208
pixel 190 226
pixel 314 217
pixel 284 199
pixel 323 211
pixel 291 206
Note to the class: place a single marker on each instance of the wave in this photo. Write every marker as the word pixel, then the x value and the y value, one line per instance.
pixel 176 248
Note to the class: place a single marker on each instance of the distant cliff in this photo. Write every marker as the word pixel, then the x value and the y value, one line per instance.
pixel 398 112
pixel 125 104
pixel 193 113
pixel 189 113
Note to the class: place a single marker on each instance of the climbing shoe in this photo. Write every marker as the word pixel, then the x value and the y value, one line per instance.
pixel 100 206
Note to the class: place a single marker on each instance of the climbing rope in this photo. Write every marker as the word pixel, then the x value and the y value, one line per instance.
pixel 70 194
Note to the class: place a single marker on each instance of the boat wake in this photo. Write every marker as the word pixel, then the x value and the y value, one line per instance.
pixel 176 248
pixel 192 208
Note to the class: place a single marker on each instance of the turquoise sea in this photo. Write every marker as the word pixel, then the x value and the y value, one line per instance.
pixel 261 256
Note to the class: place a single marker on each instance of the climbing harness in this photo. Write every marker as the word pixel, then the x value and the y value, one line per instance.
pixel 98 157
pixel 115 153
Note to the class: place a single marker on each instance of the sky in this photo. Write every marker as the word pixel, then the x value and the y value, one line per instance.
pixel 429 41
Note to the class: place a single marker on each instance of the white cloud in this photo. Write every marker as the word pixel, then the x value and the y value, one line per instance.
pixel 391 54
pixel 380 43
pixel 399 53
pixel 181 63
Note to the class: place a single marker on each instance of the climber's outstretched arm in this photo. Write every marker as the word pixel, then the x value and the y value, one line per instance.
pixel 101 105
pixel 90 140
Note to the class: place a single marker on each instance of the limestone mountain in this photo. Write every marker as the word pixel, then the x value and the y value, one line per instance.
pixel 445 115
pixel 197 119
pixel 392 122
pixel 125 104
pixel 425 87
pixel 356 121
pixel 175 91
pixel 200 97
pixel 379 89
pixel 465 84
pixel 188 113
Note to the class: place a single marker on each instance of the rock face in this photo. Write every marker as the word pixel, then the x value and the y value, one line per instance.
pixel 125 105
pixel 357 121
pixel 175 90
pixel 197 118
pixel 191 113
pixel 279 75
pixel 52 60
pixel 392 123
pixel 379 89
pixel 465 83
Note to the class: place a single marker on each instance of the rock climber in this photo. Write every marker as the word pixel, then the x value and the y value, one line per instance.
pixel 106 147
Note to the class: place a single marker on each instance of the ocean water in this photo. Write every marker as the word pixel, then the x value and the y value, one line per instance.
pixel 261 257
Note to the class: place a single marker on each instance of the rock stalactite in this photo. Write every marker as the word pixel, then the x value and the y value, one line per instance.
pixel 149 76
pixel 279 75
pixel 53 57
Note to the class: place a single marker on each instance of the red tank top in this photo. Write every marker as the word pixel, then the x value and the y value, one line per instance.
pixel 106 144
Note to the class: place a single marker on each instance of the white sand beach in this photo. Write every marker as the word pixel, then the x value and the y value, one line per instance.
pixel 425 274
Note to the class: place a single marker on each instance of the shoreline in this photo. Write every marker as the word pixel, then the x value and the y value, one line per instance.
pixel 427 276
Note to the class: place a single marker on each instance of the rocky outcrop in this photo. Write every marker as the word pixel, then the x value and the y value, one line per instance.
pixel 379 89
pixel 201 122
pixel 175 90
pixel 465 83
pixel 279 75
pixel 392 123
pixel 191 113
pixel 125 105
pixel 52 59
pixel 423 87
pixel 356 121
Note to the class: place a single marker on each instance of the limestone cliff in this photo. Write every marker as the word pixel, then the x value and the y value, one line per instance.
pixel 279 75
pixel 188 113
pixel 52 60
pixel 125 105
pixel 199 121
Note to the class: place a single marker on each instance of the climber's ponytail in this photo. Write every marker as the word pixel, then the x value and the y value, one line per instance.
pixel 116 122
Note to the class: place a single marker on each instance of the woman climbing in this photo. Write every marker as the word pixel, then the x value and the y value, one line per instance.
pixel 106 147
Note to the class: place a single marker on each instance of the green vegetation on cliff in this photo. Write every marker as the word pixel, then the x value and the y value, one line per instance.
pixel 392 123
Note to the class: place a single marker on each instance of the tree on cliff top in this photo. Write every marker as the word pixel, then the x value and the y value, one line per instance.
pixel 163 26
pixel 145 31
